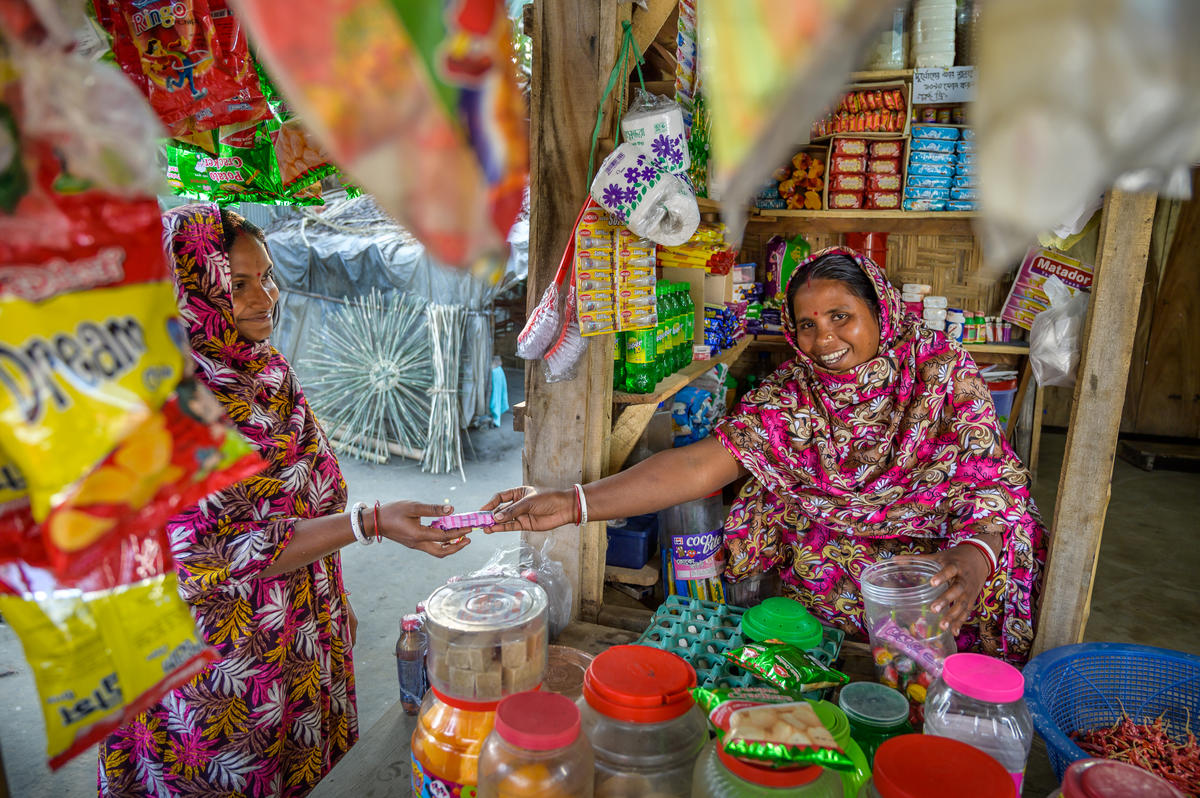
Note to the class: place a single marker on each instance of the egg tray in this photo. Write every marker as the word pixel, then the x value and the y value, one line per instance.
pixel 702 632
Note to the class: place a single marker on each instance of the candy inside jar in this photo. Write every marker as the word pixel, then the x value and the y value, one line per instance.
pixel 907 642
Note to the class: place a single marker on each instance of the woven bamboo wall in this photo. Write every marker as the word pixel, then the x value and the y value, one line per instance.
pixel 951 264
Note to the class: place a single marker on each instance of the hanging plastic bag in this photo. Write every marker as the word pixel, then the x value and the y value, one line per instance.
pixel 417 101
pixel 1056 338
pixel 654 125
pixel 653 203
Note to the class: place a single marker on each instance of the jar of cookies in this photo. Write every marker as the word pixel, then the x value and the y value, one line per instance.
pixel 645 727
pixel 487 638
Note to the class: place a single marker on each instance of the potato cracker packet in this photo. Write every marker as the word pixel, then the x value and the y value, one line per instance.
pixel 765 726
pixel 791 669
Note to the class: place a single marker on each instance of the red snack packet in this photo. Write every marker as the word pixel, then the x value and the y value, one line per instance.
pixel 843 200
pixel 883 200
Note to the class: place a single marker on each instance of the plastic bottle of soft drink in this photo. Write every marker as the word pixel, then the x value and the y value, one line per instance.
pixel 661 363
pixel 681 359
pixel 619 361
pixel 689 322
pixel 640 351
pixel 670 300
pixel 410 662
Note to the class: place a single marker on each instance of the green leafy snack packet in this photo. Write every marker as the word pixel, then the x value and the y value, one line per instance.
pixel 764 726
pixel 791 669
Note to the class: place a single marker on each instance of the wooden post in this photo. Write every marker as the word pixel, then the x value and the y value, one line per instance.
pixel 575 44
pixel 1083 488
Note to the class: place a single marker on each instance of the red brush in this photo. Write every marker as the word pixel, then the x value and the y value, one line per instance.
pixel 545 320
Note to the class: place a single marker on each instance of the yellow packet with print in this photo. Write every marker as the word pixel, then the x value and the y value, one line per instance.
pixel 99 659
pixel 90 344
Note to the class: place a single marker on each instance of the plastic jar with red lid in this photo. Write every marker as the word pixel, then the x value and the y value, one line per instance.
pixel 536 750
pixel 718 775
pixel 923 766
pixel 1102 778
pixel 646 729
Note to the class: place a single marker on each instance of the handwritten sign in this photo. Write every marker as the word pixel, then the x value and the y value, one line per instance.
pixel 940 86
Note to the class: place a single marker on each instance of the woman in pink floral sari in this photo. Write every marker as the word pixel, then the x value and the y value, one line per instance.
pixel 259 561
pixel 878 439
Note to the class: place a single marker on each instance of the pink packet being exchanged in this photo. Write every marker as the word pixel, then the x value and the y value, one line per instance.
pixel 475 520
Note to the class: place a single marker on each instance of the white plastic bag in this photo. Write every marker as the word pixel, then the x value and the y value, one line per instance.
pixel 1056 336
pixel 526 562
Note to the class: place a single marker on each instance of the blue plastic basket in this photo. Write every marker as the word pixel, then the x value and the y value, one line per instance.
pixel 1090 685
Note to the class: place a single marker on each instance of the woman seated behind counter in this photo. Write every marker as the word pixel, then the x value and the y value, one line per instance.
pixel 878 439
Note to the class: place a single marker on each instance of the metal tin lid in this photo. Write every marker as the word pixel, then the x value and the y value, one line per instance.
pixel 873 704
pixel 485 604
pixel 782 619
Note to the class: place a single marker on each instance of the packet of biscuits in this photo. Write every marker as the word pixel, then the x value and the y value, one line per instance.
pixel 764 726
pixel 792 670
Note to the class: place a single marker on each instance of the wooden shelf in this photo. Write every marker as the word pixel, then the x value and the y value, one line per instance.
pixel 672 384
pixel 880 76
pixel 707 205
pixel 1015 348
pixel 912 222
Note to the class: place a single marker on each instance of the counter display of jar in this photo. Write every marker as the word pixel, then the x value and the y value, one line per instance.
pixel 908 643
pixel 718 775
pixel 935 767
pixel 536 750
pixel 876 714
pixel 487 638
pixel 645 727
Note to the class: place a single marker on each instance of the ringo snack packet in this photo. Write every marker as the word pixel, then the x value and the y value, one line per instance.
pixel 793 671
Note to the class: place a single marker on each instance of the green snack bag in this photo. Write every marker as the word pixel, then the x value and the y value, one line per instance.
pixel 792 670
pixel 764 726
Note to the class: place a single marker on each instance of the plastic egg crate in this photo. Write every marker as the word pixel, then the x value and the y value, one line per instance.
pixel 702 632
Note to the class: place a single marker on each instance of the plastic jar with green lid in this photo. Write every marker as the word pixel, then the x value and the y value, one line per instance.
pixel 836 722
pixel 719 775
pixel 876 713
pixel 782 619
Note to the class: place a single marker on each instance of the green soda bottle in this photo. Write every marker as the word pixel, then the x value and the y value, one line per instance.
pixel 640 349
pixel 661 366
pixel 676 328
pixel 619 361
pixel 689 322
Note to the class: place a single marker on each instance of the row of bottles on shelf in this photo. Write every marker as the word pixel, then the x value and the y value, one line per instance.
pixel 642 358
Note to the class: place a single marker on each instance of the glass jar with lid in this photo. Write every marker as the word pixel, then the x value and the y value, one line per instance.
pixel 1103 778
pixel 875 713
pixel 980 701
pixel 646 729
pixel 536 750
pixel 487 638
pixel 935 767
pixel 718 775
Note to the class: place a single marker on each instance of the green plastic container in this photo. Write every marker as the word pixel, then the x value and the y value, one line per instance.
pixel 839 726
pixel 876 714
pixel 783 619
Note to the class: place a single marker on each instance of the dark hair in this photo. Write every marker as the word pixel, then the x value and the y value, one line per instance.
pixel 836 267
pixel 234 224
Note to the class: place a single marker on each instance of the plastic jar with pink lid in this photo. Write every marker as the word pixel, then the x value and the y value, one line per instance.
pixel 536 748
pixel 1102 778
pixel 980 701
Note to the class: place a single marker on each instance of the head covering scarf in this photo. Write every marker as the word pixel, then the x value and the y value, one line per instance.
pixel 278 710
pixel 902 453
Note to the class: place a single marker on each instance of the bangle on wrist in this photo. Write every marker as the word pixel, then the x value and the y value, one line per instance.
pixel 375 517
pixel 356 523
pixel 581 502
pixel 993 561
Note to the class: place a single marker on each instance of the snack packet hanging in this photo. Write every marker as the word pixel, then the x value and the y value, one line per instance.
pixel 101 658
pixel 765 726
pixel 91 344
pixel 173 51
pixel 791 669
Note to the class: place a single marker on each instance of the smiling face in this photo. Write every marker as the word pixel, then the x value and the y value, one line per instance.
pixel 834 327
pixel 252 287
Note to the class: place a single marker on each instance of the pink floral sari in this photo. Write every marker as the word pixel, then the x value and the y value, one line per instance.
pixel 901 455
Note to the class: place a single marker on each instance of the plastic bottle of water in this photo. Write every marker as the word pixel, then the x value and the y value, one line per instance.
pixel 410 662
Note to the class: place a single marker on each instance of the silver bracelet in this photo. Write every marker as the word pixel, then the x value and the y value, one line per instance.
pixel 583 518
pixel 356 523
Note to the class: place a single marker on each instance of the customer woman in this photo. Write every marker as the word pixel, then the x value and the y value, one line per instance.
pixel 258 561
pixel 878 439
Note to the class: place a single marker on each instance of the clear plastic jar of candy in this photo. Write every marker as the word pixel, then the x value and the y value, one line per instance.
pixel 907 641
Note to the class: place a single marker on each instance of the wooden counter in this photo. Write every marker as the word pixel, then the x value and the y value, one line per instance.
pixel 379 765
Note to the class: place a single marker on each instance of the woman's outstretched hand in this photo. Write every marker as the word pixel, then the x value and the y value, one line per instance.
pixel 965 569
pixel 401 522
pixel 528 509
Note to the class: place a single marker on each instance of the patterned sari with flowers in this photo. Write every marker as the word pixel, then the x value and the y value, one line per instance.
pixel 277 711
pixel 901 455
